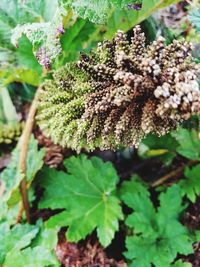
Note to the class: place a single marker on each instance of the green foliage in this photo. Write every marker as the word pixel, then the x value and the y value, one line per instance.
pixel 179 263
pixel 189 143
pixel 32 257
pixel 87 193
pixel 17 238
pixel 98 11
pixel 75 39
pixel 126 19
pixel 158 236
pixel 44 36
pixel 194 17
pixel 190 186
pixel 14 62
pixel 11 177
pixel 163 148
pixel 27 245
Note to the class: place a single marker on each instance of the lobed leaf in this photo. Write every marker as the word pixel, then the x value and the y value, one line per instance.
pixel 189 143
pixel 158 235
pixel 190 186
pixel 87 193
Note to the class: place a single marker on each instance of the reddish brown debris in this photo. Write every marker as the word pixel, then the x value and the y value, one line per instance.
pixel 55 154
pixel 86 254
pixel 192 220
pixel 192 216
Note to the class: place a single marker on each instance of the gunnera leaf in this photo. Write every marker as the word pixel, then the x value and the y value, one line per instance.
pixel 117 95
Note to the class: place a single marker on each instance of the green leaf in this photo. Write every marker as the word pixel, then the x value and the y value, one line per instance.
pixel 190 186
pixel 43 36
pixel 75 40
pixel 19 74
pixel 163 148
pixel 17 238
pixel 27 245
pixel 189 143
pixel 25 57
pixel 194 17
pixel 11 13
pixel 91 183
pixel 158 235
pixel 98 11
pixel 11 176
pixel 31 257
pixel 180 263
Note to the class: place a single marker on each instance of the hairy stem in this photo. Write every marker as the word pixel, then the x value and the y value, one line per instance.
pixel 24 143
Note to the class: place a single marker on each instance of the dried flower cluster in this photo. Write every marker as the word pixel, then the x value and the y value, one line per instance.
pixel 120 93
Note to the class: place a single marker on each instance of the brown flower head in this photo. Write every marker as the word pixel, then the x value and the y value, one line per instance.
pixel 120 93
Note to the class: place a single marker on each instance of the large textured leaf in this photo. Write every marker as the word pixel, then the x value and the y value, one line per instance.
pixel 11 176
pixel 190 186
pixel 158 236
pixel 189 143
pixel 12 13
pixel 87 193
pixel 17 238
pixel 44 36
pixel 98 11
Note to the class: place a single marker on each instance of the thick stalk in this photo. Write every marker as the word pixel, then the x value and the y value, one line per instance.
pixel 23 146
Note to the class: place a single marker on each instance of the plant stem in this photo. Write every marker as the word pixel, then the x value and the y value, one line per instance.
pixel 24 142
pixel 173 173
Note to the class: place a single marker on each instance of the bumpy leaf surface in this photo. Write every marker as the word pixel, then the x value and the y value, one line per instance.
pixel 12 63
pixel 98 11
pixel 87 193
pixel 158 235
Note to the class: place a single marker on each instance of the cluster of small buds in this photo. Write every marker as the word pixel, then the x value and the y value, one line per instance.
pixel 116 96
